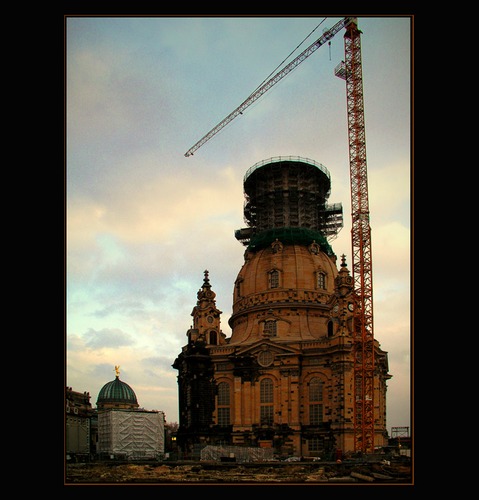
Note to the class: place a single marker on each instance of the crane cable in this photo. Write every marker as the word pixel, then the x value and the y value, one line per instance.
pixel 263 87
pixel 285 59
pixel 289 55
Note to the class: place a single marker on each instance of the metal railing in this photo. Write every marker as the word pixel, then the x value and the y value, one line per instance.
pixel 277 159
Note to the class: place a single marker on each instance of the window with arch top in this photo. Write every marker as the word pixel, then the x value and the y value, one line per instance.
pixel 321 280
pixel 330 328
pixel 274 278
pixel 270 328
pixel 224 404
pixel 316 389
pixel 266 401
pixel 213 337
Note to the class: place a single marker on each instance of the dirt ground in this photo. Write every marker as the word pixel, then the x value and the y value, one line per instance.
pixel 217 473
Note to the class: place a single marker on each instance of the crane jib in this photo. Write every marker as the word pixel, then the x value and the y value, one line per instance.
pixel 327 35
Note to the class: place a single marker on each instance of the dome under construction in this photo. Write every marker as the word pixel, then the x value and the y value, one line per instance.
pixel 284 381
pixel 286 198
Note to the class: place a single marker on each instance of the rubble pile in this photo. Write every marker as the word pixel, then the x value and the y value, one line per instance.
pixel 200 472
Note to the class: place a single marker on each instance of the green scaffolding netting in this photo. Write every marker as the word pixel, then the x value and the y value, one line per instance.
pixel 290 235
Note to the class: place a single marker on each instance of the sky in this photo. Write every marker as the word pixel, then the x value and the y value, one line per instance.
pixel 143 222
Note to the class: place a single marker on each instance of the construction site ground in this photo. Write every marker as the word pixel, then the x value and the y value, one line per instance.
pixel 201 472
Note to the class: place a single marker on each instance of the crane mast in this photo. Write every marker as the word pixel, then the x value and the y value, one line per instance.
pixel 351 71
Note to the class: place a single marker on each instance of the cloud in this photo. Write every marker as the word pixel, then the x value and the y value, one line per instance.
pixel 150 375
pixel 107 338
pixel 389 188
pixel 133 309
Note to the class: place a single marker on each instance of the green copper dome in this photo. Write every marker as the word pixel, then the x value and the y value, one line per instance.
pixel 117 392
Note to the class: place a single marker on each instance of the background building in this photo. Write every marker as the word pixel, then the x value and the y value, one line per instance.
pixel 117 428
pixel 80 425
pixel 124 430
pixel 285 377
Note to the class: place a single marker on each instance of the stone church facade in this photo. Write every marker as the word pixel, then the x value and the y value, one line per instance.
pixel 284 379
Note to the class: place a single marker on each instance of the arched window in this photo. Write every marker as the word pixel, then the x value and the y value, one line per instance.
pixel 316 388
pixel 266 401
pixel 274 278
pixel 330 329
pixel 270 328
pixel 224 408
pixel 321 280
pixel 213 338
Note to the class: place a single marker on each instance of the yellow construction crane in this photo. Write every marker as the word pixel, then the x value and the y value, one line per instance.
pixel 351 71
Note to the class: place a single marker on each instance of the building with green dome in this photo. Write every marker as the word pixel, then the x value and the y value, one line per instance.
pixel 126 431
pixel 117 395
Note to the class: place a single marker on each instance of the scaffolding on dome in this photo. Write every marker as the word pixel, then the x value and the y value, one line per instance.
pixel 286 192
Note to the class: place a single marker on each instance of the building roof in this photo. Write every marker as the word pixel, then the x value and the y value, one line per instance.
pixel 117 391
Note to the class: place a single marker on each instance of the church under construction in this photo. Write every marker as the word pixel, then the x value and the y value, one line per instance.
pixel 285 378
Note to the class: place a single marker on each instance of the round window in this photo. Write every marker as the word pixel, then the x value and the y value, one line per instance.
pixel 265 358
